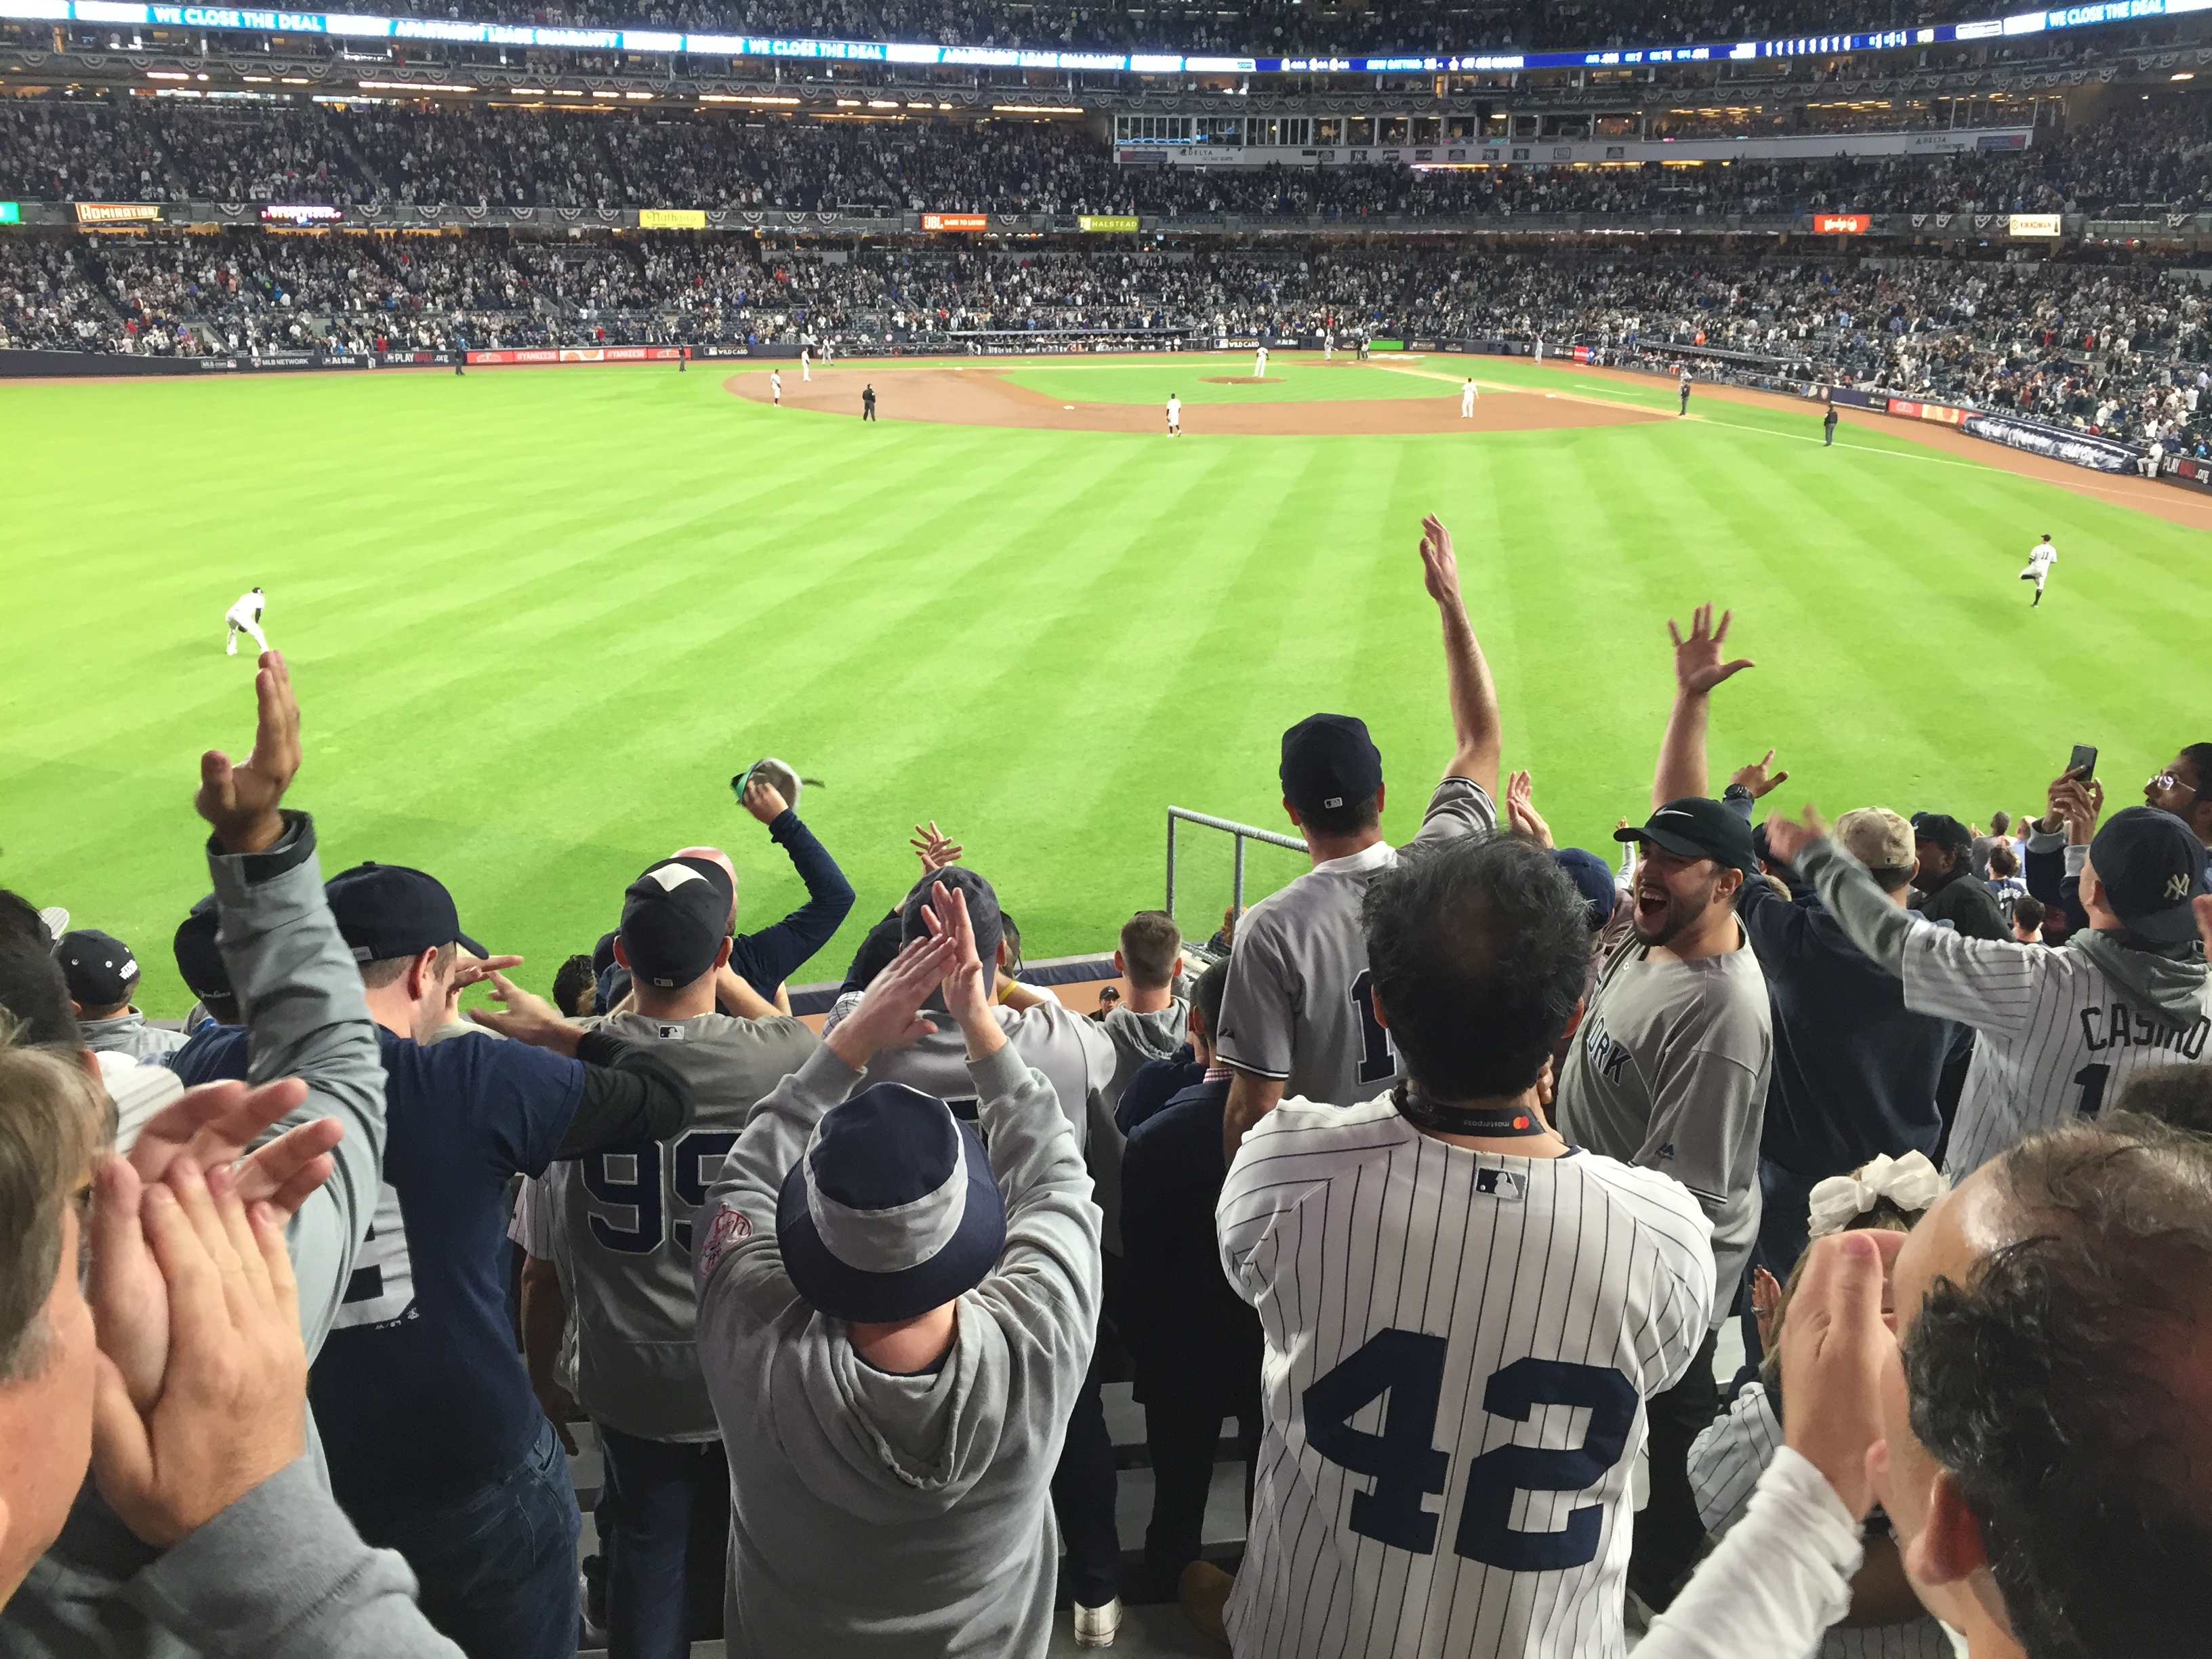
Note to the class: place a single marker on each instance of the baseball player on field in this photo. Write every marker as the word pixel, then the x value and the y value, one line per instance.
pixel 245 613
pixel 1174 415
pixel 776 388
pixel 1260 363
pixel 2040 558
pixel 1467 398
pixel 622 1222
pixel 1463 1315
pixel 2061 1030
pixel 1295 1019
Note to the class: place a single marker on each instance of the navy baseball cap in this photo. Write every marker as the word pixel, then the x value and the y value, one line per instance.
pixel 2150 868
pixel 1593 879
pixel 198 962
pixel 386 910
pixel 1329 761
pixel 674 920
pixel 1698 827
pixel 983 915
pixel 892 1210
pixel 99 967
pixel 1943 829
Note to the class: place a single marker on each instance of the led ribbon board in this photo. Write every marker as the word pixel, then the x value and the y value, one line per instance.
pixel 354 25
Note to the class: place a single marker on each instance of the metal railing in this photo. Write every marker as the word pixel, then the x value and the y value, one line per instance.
pixel 1240 833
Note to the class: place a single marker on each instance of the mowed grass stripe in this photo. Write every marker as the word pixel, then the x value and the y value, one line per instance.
pixel 538 618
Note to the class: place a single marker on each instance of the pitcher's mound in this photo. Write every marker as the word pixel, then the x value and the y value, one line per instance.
pixel 1240 379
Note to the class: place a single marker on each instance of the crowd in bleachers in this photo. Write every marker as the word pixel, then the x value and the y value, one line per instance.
pixel 2112 346
pixel 2150 155
pixel 1922 1105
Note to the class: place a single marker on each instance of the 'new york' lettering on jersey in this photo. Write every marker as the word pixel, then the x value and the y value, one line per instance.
pixel 1459 1347
pixel 1296 1008
pixel 381 1290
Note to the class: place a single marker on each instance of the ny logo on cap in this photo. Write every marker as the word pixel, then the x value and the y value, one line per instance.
pixel 2176 888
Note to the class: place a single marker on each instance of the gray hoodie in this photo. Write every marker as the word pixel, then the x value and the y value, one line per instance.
pixel 301 993
pixel 875 1516
pixel 129 1034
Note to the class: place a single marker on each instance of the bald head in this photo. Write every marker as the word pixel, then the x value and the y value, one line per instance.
pixel 2050 1437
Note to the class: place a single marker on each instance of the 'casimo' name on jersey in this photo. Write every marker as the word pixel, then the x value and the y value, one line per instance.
pixel 2117 1027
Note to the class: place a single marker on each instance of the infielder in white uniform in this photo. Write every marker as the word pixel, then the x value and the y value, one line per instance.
pixel 1260 363
pixel 1467 394
pixel 1295 1019
pixel 776 388
pixel 1174 415
pixel 2062 1030
pixel 246 613
pixel 2040 558
pixel 1463 1315
pixel 805 364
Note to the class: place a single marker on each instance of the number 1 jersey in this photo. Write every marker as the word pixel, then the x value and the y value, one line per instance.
pixel 1459 1347
pixel 622 1222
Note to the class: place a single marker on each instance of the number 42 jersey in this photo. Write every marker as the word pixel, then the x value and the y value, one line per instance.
pixel 622 1222
pixel 1459 1348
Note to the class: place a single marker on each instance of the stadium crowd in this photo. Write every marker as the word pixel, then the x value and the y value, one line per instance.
pixel 2145 155
pixel 1925 1107
pixel 2118 348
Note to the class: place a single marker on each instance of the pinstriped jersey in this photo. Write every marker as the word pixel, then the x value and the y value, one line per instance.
pixel 1458 1349
pixel 1296 1008
pixel 2059 1037
pixel 1725 1464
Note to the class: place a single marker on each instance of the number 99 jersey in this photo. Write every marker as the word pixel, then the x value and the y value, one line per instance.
pixel 622 1224
pixel 1459 1347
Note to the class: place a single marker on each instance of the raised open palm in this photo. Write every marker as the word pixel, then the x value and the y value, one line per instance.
pixel 1697 664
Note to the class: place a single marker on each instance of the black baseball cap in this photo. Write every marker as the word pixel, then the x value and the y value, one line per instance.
pixel 199 963
pixel 1593 879
pixel 982 911
pixel 99 967
pixel 1698 827
pixel 674 920
pixel 1943 829
pixel 386 910
pixel 2150 868
pixel 1329 761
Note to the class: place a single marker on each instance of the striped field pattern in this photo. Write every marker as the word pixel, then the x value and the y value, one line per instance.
pixel 538 619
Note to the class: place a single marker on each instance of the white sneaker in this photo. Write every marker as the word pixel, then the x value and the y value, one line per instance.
pixel 1095 1627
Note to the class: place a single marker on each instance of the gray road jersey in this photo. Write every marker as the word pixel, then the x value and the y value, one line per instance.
pixel 1295 1008
pixel 1072 1052
pixel 622 1222
pixel 1669 1072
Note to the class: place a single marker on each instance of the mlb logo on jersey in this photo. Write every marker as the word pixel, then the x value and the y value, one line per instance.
pixel 1501 1184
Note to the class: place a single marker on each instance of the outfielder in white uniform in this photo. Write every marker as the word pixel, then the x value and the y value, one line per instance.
pixel 1463 1315
pixel 2061 1031
pixel 1295 1019
pixel 245 614
pixel 1467 394
pixel 2040 558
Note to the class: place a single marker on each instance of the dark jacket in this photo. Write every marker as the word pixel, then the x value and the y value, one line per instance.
pixel 1965 903
pixel 1154 1084
pixel 1855 1072
pixel 1187 1328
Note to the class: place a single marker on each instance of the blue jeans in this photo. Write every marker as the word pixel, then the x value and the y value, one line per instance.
pixel 666 1543
pixel 498 1567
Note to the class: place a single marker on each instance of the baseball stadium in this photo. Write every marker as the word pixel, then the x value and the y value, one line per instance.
pixel 619 589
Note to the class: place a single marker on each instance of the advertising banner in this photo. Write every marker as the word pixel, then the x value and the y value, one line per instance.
pixel 577 355
pixel 2105 454
pixel 956 222
pixel 672 218
pixel 109 213
pixel 2034 224
pixel 1582 354
pixel 1843 224
pixel 1852 397
pixel 11 213
pixel 1918 411
pixel 305 213
pixel 1125 223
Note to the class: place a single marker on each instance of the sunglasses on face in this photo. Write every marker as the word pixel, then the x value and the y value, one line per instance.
pixel 2166 780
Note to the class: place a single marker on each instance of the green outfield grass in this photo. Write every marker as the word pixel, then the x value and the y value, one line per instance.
pixel 537 618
